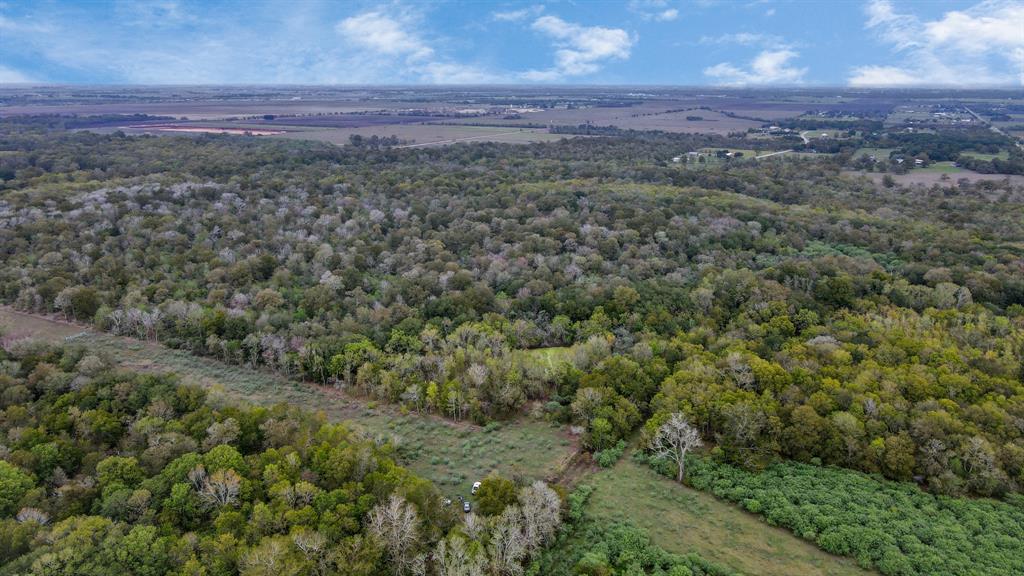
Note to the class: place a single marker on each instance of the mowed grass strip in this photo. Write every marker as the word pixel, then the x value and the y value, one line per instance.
pixel 682 520
pixel 453 455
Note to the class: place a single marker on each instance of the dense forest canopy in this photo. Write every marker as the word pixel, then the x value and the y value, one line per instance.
pixel 786 310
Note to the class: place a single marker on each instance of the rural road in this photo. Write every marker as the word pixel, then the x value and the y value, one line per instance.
pixel 772 154
pixel 994 128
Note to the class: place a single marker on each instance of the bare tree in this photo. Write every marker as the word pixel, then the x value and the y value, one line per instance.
pixel 542 514
pixel 396 524
pixel 32 515
pixel 452 558
pixel 314 547
pixel 507 546
pixel 474 526
pixel 221 488
pixel 674 439
pixel 224 432
pixel 741 371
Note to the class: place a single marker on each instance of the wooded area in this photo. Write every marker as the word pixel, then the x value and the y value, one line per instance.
pixel 798 318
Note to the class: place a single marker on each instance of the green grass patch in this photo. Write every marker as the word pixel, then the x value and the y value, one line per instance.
pixel 941 168
pixel 550 357
pixel 892 526
pixel 878 153
pixel 682 520
pixel 1002 155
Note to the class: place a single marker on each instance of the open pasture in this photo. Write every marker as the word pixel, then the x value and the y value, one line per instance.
pixel 1001 155
pixel 682 520
pixel 878 153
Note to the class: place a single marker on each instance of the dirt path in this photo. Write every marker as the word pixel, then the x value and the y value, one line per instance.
pixel 772 154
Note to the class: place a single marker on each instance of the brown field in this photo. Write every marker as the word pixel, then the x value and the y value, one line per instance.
pixel 195 110
pixel 414 134
pixel 217 109
pixel 648 116
pixel 429 134
pixel 205 130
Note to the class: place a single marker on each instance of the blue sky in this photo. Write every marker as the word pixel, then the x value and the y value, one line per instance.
pixel 665 42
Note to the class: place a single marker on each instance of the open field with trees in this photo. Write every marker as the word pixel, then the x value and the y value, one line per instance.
pixel 893 527
pixel 682 520
pixel 451 455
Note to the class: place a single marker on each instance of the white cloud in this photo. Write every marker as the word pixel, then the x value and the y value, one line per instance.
pixel 747 39
pixel 517 15
pixel 883 76
pixel 958 49
pixel 772 65
pixel 384 35
pixel 393 51
pixel 457 73
pixel 579 49
pixel 1002 28
pixel 153 14
pixel 12 76
pixel 667 15
pixel 768 67
pixel 657 10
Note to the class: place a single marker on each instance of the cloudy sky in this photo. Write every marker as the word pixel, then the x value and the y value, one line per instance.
pixel 700 42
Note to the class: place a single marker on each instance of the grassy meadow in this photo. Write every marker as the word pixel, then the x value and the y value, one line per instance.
pixel 682 520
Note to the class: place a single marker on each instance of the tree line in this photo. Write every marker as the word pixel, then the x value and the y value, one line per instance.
pixel 108 472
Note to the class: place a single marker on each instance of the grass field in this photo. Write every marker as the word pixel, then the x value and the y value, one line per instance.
pixel 940 168
pixel 879 153
pixel 452 455
pixel 1002 155
pixel 681 520
pixel 551 357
